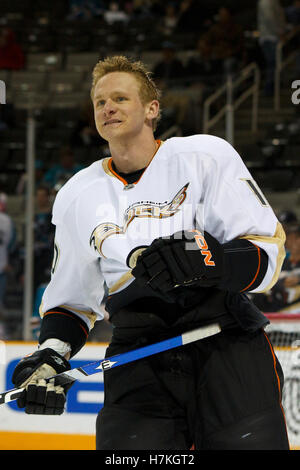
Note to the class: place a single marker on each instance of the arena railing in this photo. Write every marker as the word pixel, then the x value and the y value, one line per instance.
pixel 228 89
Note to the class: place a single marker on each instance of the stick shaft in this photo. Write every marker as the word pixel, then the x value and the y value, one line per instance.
pixel 121 359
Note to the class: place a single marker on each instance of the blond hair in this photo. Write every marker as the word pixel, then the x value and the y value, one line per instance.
pixel 148 90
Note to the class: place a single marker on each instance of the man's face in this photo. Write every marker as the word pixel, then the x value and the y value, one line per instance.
pixel 118 109
pixel 67 160
pixel 42 197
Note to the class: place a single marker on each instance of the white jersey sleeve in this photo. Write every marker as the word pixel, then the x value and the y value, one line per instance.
pixel 233 206
pixel 76 281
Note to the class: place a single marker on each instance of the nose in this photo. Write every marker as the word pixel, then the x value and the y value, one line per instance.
pixel 109 108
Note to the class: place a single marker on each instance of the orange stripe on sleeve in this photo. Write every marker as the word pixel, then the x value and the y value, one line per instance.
pixel 258 269
pixel 67 315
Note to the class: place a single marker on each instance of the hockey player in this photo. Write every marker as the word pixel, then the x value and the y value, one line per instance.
pixel 171 236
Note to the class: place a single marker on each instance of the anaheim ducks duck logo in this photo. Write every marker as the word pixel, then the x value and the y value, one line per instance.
pixel 139 209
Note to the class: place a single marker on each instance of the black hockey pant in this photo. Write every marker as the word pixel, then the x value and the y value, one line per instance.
pixel 223 392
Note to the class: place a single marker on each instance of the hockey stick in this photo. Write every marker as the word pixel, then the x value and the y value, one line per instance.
pixel 121 359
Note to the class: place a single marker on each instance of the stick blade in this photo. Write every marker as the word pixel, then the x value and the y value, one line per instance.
pixel 10 395
pixel 200 333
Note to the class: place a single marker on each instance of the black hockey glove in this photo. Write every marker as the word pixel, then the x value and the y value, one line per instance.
pixel 183 259
pixel 40 397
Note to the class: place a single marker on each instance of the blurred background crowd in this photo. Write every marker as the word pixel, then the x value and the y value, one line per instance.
pixel 47 53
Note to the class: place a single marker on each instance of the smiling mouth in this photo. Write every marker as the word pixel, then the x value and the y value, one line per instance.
pixel 114 121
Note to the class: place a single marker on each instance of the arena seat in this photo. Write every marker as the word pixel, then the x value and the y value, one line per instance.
pixel 26 81
pixel 64 81
pixel 81 62
pixel 45 61
pixel 66 100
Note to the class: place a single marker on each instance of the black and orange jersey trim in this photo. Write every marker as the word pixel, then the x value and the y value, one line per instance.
pixel 257 271
pixel 62 324
pixel 245 266
pixel 121 176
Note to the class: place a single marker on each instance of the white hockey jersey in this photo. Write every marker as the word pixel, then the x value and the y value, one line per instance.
pixel 192 182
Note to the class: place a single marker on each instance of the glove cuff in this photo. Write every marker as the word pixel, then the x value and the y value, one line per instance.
pixel 57 345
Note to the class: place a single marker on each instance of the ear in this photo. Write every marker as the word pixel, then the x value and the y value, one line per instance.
pixel 152 109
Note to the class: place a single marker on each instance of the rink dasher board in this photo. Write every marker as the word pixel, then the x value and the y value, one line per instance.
pixel 84 399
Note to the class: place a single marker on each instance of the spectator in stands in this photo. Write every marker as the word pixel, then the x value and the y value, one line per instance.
pixel 202 68
pixel 43 236
pixel 289 221
pixel 225 40
pixel 194 16
pixel 169 20
pixel 11 54
pixel 85 133
pixel 43 204
pixel 287 290
pixel 7 240
pixel 287 218
pixel 44 233
pixel 285 295
pixel 169 73
pixel 170 68
pixel 115 13
pixel 56 176
pixel 39 174
pixel 292 13
pixel 271 28
pixel 35 320
pixel 7 117
pixel 85 9
pixel 145 9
